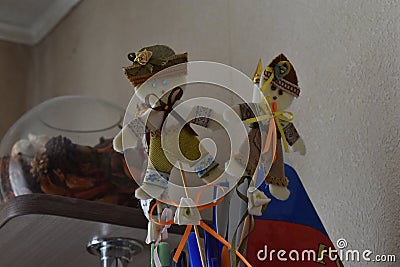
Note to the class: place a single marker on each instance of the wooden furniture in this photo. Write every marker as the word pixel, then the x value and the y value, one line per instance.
pixel 53 231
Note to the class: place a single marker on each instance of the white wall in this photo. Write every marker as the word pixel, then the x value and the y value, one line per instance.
pixel 346 54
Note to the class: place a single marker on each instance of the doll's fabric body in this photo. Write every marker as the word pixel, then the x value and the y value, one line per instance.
pixel 187 141
pixel 276 175
pixel 279 88
pixel 189 147
pixel 165 125
pixel 163 150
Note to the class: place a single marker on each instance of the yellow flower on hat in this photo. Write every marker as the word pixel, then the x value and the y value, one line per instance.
pixel 143 56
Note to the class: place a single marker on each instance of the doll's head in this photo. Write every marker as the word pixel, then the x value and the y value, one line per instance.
pixel 148 62
pixel 279 83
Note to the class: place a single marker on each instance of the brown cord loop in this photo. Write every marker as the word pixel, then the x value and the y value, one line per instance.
pixel 175 95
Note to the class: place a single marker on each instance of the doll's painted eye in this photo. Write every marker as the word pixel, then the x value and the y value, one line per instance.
pixel 273 87
pixel 154 85
pixel 280 92
pixel 164 82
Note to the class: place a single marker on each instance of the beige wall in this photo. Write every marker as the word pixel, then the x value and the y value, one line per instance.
pixel 15 67
pixel 346 54
pixel 86 52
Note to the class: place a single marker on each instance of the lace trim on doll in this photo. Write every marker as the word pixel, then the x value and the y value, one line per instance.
pixel 202 116
pixel 155 177
pixel 138 127
pixel 281 181
pixel 204 165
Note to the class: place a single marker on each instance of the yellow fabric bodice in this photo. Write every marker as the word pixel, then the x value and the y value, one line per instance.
pixel 189 146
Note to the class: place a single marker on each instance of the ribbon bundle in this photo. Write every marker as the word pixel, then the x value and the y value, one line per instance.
pixel 201 224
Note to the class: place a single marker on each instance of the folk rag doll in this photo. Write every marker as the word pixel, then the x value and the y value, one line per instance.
pixel 152 122
pixel 279 87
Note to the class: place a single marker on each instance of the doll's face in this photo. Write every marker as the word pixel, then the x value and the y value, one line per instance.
pixel 282 98
pixel 159 85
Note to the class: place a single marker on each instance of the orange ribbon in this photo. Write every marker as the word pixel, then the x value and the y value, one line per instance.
pixel 271 138
pixel 203 225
